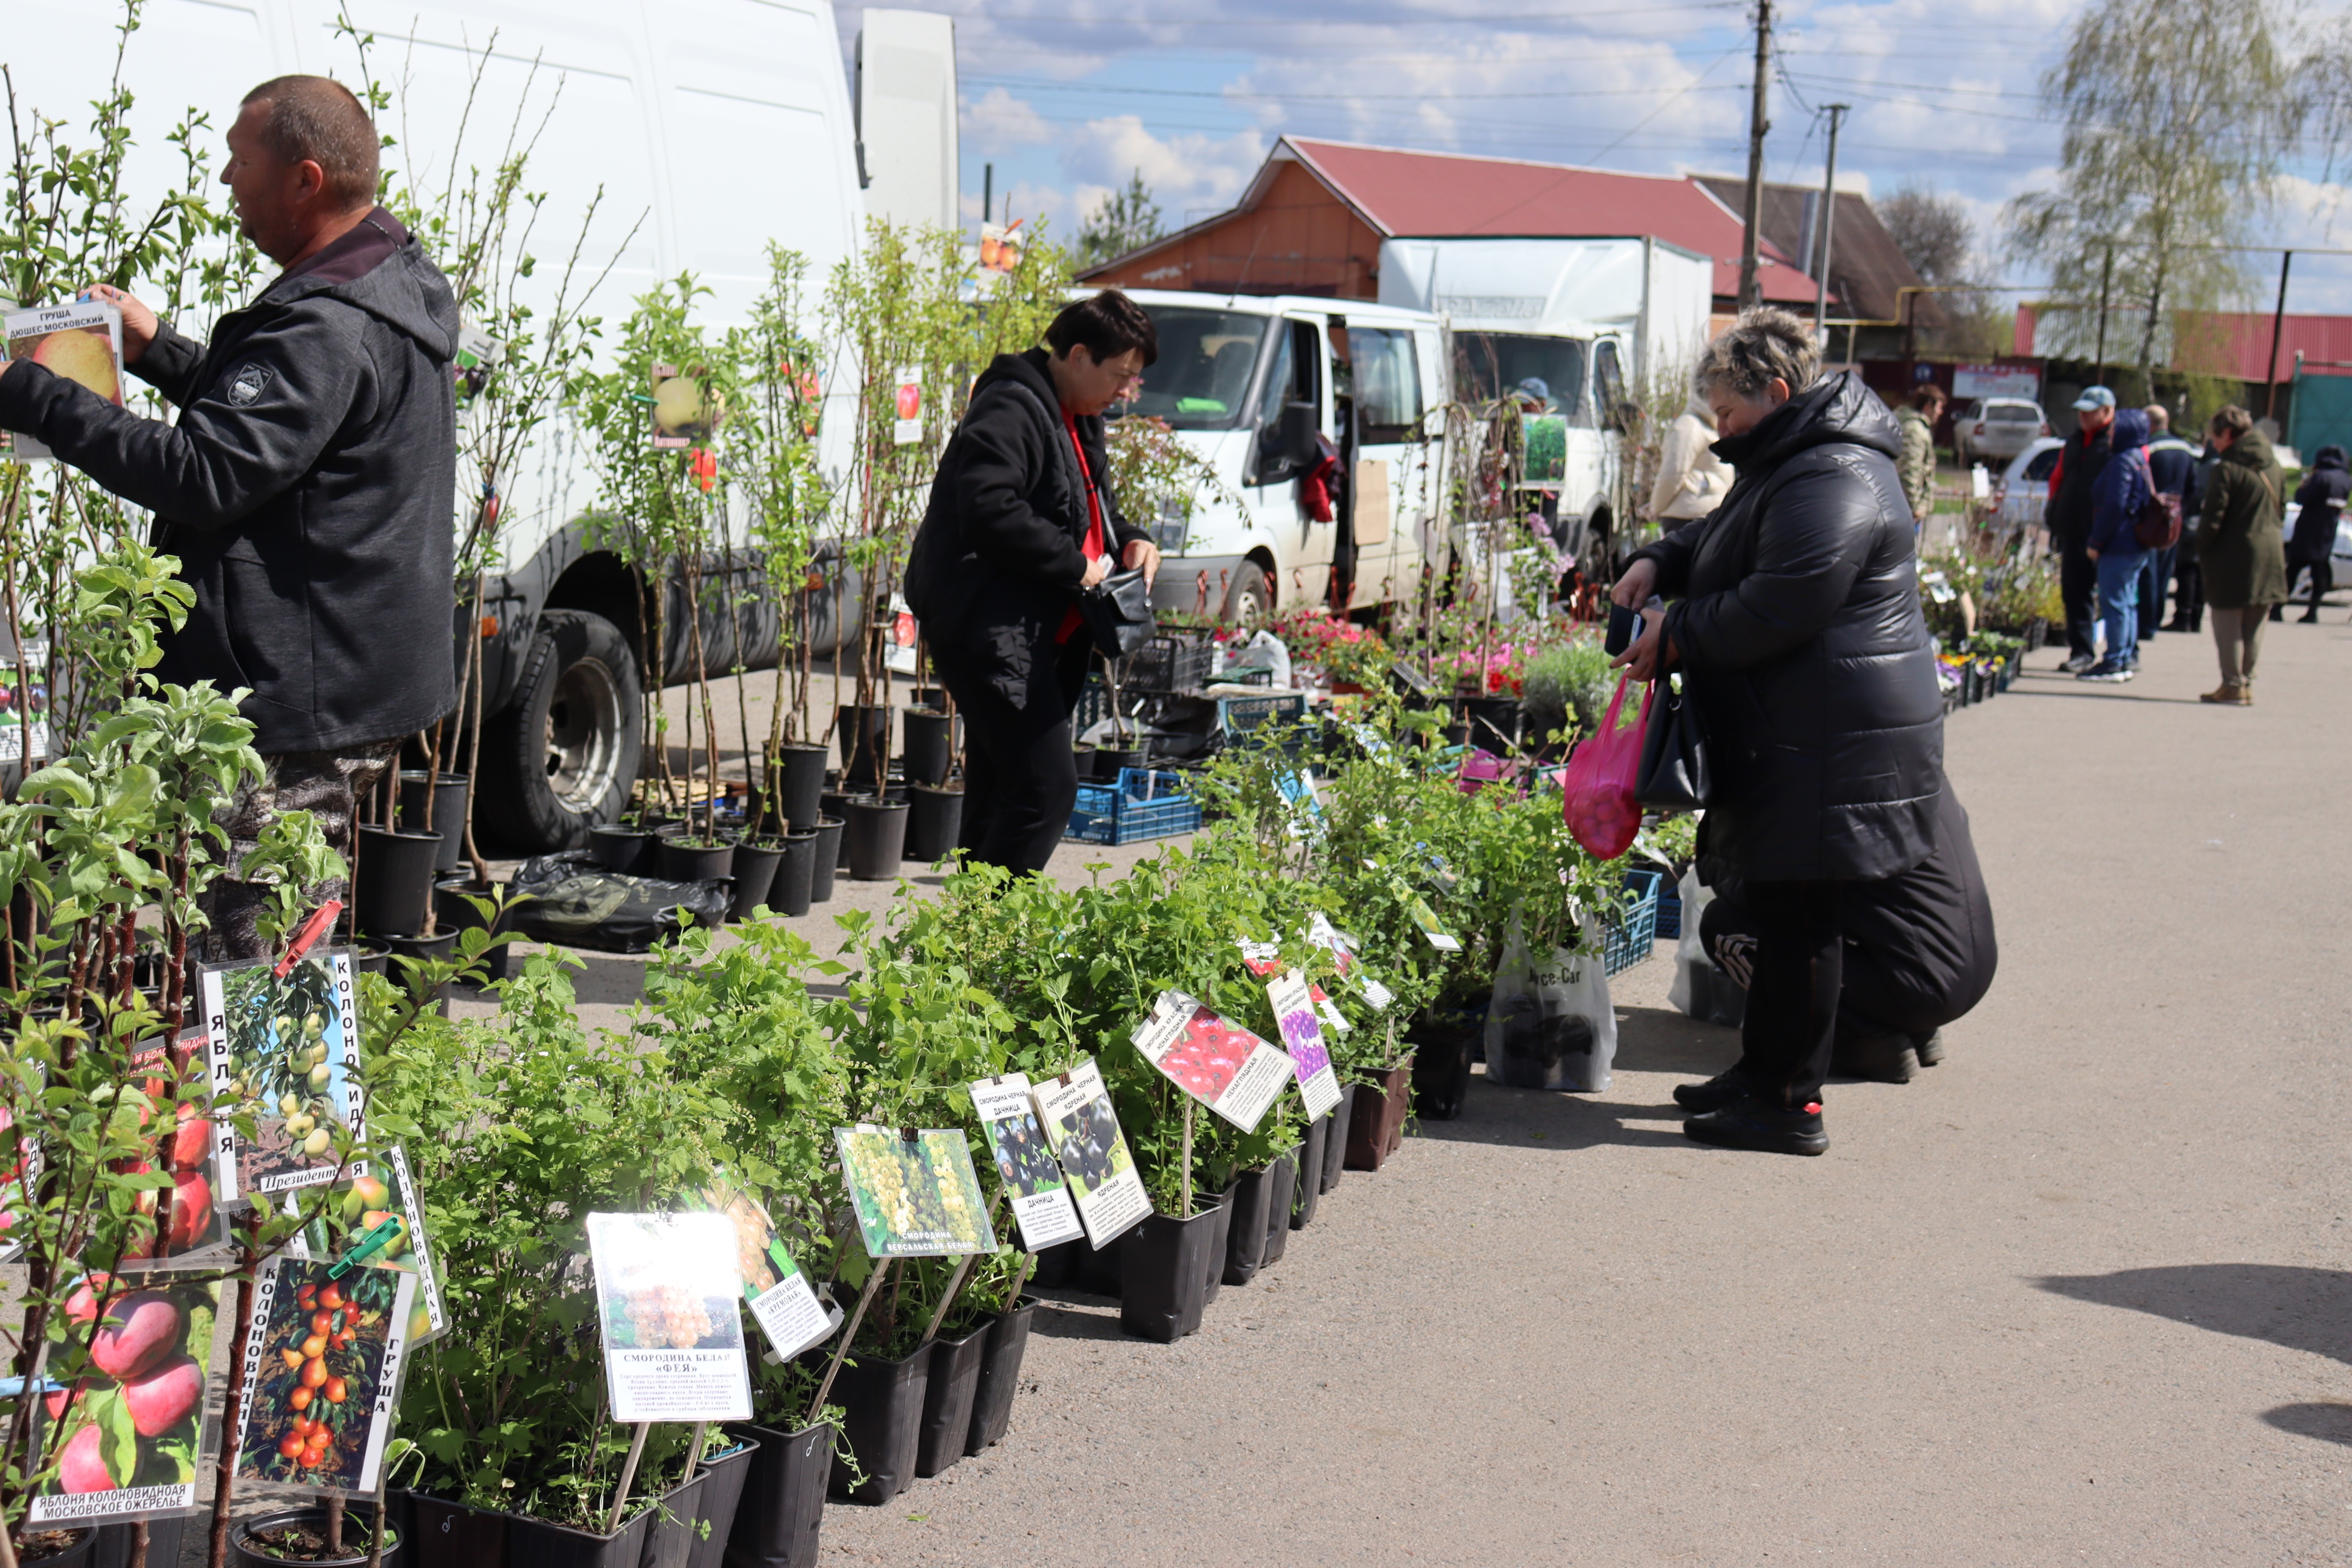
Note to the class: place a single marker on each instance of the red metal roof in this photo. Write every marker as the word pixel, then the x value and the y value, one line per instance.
pixel 2233 344
pixel 1431 195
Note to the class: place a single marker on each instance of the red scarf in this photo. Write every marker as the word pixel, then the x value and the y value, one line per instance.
pixel 1094 547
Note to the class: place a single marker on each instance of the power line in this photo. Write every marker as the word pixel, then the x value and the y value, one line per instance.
pixel 1032 85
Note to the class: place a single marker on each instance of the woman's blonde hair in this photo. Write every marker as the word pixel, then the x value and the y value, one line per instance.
pixel 1763 346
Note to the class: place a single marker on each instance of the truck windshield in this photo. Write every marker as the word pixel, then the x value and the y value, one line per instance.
pixel 1201 378
pixel 1488 364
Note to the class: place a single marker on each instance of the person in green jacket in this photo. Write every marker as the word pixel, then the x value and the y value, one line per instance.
pixel 1917 466
pixel 2242 548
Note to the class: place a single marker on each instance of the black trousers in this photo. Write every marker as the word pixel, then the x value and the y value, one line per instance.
pixel 1020 779
pixel 2189 593
pixel 2322 580
pixel 1790 1026
pixel 2078 587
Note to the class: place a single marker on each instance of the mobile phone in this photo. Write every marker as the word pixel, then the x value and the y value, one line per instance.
pixel 1625 625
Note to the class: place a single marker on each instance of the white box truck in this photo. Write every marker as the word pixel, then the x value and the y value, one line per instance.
pixel 724 124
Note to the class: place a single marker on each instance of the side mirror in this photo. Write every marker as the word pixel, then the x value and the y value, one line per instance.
pixel 1296 436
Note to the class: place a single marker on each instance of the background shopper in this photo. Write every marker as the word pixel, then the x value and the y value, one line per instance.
pixel 2240 548
pixel 2321 496
pixel 2172 463
pixel 2124 487
pixel 2072 483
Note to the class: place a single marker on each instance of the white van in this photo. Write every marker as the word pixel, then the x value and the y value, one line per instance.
pixel 1264 388
pixel 711 127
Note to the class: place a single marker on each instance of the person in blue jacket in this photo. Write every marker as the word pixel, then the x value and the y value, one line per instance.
pixel 2122 488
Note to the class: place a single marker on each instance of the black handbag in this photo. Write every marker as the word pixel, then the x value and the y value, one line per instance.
pixel 1673 775
pixel 1118 611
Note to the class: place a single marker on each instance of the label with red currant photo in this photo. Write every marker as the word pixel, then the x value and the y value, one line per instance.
pixel 1218 1063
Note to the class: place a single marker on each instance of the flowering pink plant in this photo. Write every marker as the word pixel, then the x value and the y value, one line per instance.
pixel 1344 650
pixel 1499 674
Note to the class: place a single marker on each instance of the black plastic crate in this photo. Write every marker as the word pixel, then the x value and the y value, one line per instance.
pixel 1171 661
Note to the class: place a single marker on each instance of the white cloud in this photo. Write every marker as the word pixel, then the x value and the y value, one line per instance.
pixel 1191 174
pixel 1000 122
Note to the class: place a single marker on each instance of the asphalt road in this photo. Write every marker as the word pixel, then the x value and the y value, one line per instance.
pixel 2079 1295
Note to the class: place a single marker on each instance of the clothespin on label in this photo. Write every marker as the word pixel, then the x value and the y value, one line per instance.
pixel 380 1236
pixel 910 1133
pixel 317 926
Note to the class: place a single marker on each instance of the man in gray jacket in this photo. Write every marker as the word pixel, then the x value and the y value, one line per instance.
pixel 309 483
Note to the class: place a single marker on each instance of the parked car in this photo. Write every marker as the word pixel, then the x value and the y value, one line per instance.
pixel 1995 427
pixel 2023 488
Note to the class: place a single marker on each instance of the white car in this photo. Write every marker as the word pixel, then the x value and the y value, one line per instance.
pixel 1995 427
pixel 2023 488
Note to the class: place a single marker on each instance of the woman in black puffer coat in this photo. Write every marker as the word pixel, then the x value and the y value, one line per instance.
pixel 1795 629
pixel 2312 547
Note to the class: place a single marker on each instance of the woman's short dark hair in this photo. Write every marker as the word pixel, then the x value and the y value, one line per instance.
pixel 1926 397
pixel 2231 421
pixel 1763 346
pixel 1109 324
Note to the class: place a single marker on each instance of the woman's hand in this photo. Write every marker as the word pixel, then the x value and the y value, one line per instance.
pixel 1652 652
pixel 1144 554
pixel 1097 570
pixel 1635 587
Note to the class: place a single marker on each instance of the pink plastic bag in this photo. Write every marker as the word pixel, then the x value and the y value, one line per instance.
pixel 1597 793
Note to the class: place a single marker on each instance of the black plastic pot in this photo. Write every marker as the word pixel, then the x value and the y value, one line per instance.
pixel 163 1537
pixel 423 947
pixel 927 739
pixel 1306 1188
pixel 1377 1130
pixel 372 958
pixel 724 1478
pixel 245 1553
pixel 1083 758
pixel 1100 1270
pixel 1056 1265
pixel 882 1410
pixel 682 861
pixel 451 912
pixel 878 839
pixel 1245 1238
pixel 83 1552
pixel 801 782
pixel 1000 1375
pixel 1212 1266
pixel 632 852
pixel 788 891
pixel 826 863
pixel 534 1543
pixel 1335 1142
pixel 669 1538
pixel 781 1512
pixel 1494 722
pixel 449 812
pixel 948 1399
pixel 1443 1040
pixel 864 736
pixel 1163 1269
pixel 755 866
pixel 934 821
pixel 393 883
pixel 835 803
pixel 1108 760
pixel 1282 1182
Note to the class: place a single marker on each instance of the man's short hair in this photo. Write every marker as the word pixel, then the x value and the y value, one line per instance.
pixel 2159 417
pixel 2231 421
pixel 1929 396
pixel 1108 325
pixel 315 120
pixel 1763 346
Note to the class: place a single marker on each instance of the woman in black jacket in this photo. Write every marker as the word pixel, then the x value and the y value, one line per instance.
pixel 1798 634
pixel 2313 548
pixel 1020 517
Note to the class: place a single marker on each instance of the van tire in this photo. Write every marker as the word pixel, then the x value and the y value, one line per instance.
pixel 1250 601
pixel 563 756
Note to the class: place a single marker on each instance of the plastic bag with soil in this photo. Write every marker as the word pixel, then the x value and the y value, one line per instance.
pixel 1550 1025
pixel 1700 989
pixel 576 903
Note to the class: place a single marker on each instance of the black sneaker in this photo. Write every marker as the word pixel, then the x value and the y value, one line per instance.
pixel 1724 1089
pixel 1750 1123
pixel 1930 1047
pixel 1889 1058
pixel 2077 665
pixel 2107 671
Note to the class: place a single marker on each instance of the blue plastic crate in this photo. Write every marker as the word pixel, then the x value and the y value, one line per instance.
pixel 1628 933
pixel 1144 804
pixel 1669 913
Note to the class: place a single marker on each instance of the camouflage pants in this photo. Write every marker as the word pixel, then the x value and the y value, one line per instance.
pixel 328 786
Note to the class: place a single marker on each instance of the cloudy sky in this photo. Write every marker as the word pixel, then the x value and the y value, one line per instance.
pixel 1066 97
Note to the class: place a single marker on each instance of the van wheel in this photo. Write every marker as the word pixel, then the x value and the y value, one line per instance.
pixel 563 756
pixel 1250 601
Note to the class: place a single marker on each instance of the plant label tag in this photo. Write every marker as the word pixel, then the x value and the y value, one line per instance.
pixel 1424 920
pixel 1032 1178
pixel 1083 1128
pixel 1310 1060
pixel 1328 1009
pixel 286 1051
pixel 1337 942
pixel 782 1301
pixel 667 1295
pixel 916 1194
pixel 23 691
pixel 1260 958
pixel 899 641
pixel 1378 994
pixel 125 1456
pixel 81 341
pixel 1220 1064
pixel 908 429
pixel 322 1375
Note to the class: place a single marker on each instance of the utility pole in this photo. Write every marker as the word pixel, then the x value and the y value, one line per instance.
pixel 2106 276
pixel 2278 325
pixel 1828 225
pixel 1751 292
pixel 987 192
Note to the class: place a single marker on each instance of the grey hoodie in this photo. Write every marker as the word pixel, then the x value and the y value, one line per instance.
pixel 307 487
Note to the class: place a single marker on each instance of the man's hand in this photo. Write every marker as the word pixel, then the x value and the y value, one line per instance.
pixel 1635 587
pixel 2091 552
pixel 1144 554
pixel 138 322
pixel 1097 570
pixel 1652 652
